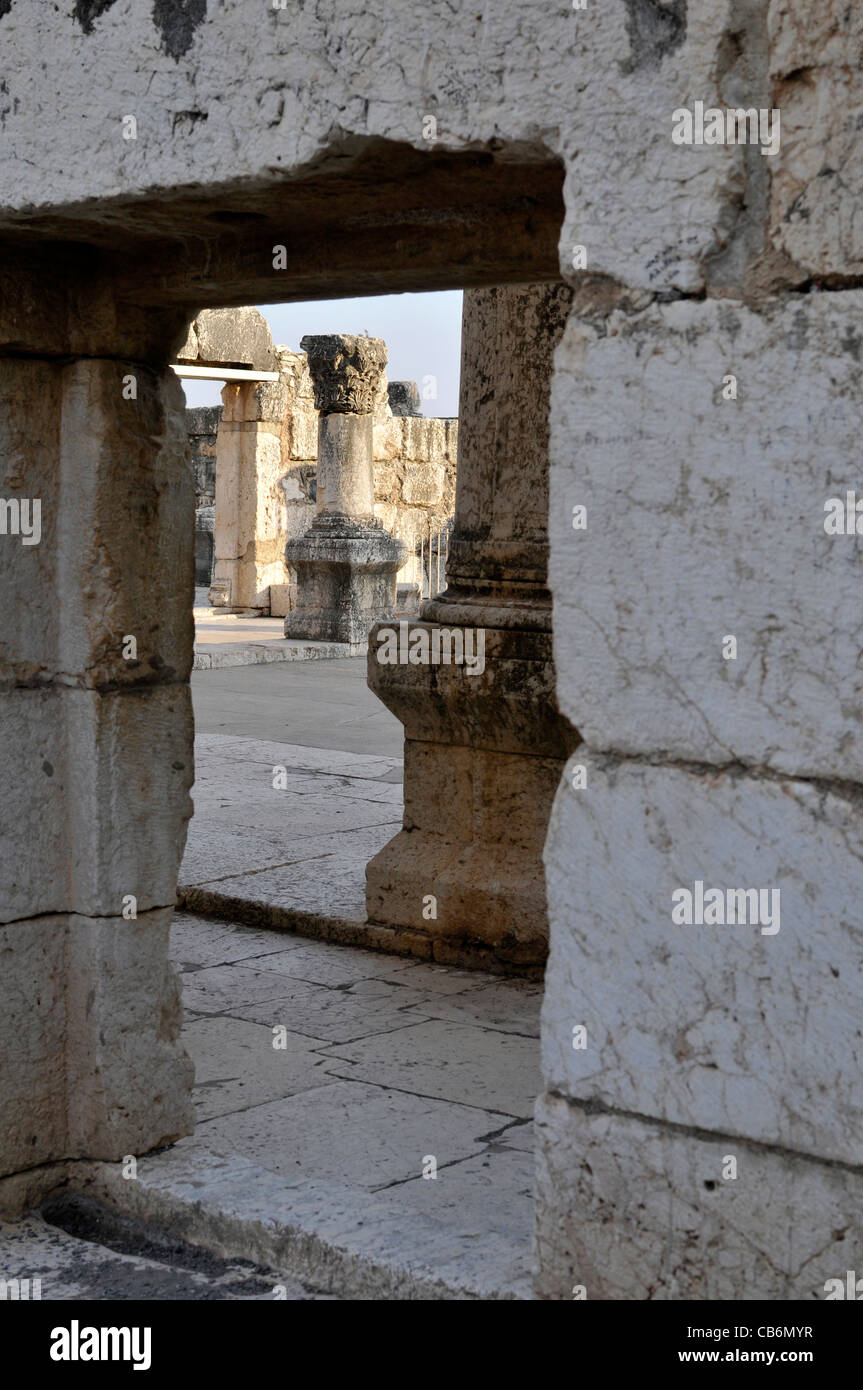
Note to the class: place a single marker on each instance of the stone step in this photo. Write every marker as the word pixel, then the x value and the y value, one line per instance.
pixel 317 1235
pixel 216 656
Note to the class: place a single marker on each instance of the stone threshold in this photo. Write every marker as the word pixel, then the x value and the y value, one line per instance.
pixel 216 656
pixel 321 1235
pixel 371 936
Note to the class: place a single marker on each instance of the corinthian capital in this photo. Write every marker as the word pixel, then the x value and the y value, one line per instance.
pixel 346 371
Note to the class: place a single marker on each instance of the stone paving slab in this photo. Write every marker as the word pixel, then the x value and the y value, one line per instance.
pixel 298 851
pixel 332 886
pixel 196 941
pixel 237 1067
pixel 339 968
pixel 452 1060
pixel 387 1062
pixel 510 1008
pixel 293 856
pixel 228 857
pixel 220 750
pixel 335 1015
pixel 301 818
pixel 332 1237
pixel 219 656
pixel 371 1136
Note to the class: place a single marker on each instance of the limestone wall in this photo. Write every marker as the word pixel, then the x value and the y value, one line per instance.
pixel 202 423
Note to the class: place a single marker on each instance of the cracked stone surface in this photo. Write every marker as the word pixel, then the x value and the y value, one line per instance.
pixel 705 522
pixel 306 1167
pixel 385 1063
pixel 778 1230
pixel 302 847
pixel 716 1026
pixel 815 59
pixel 286 89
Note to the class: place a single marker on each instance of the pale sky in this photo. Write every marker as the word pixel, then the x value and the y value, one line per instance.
pixel 422 333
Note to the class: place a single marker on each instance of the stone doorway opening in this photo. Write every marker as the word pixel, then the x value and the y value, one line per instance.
pixel 282 689
pixel 488 773
pixel 419 1049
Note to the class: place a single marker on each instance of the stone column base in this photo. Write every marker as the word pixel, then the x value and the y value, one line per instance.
pixel 484 754
pixel 346 579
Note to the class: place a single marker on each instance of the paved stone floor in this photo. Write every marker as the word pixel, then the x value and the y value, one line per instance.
pixel 382 1065
pixel 328 1080
pixel 299 847
pixel 319 704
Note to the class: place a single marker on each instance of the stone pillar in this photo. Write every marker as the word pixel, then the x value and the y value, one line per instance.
pixel 96 576
pixel 484 749
pixel 346 563
pixel 249 500
pixel 702 1140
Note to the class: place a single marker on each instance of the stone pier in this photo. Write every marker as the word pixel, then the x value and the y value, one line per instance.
pixel 247 466
pixel 346 563
pixel 97 726
pixel 484 748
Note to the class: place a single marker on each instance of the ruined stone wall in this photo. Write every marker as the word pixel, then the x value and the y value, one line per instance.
pixel 202 425
pixel 683 513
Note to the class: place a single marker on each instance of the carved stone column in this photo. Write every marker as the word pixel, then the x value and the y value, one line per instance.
pixel 484 747
pixel 346 563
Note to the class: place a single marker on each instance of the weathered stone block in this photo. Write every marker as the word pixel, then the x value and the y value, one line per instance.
pixel 649 213
pixel 424 439
pixel 706 519
pixel 404 398
pixel 129 1079
pixel 751 1028
pixel 424 484
pixel 346 574
pixel 304 435
pixel 817 177
pixel 477 893
pixel 506 702
pixel 631 1210
pixel 116 491
pixel 101 783
pixel 89 1030
pixel 33 1038
pixel 389 439
pixel 232 337
pixel 474 824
